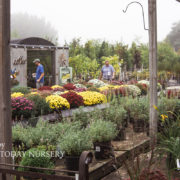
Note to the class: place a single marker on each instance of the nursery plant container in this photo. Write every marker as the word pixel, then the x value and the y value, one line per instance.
pixel 125 123
pixel 139 125
pixel 121 136
pixel 103 150
pixel 72 163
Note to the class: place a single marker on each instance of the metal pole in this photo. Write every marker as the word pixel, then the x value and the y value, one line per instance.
pixel 5 100
pixel 153 68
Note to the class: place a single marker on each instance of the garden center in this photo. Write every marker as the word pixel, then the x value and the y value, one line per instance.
pixel 89 93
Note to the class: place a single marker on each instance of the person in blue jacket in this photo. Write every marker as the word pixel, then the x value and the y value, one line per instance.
pixel 39 73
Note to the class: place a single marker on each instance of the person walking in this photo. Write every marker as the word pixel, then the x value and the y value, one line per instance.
pixel 107 72
pixel 39 73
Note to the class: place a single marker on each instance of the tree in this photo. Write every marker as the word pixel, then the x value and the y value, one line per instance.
pixel 25 25
pixel 75 48
pixel 174 36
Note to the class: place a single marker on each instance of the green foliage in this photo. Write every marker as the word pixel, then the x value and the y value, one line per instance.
pixel 167 57
pixel 169 141
pixel 75 142
pixel 83 66
pixel 139 109
pixel 167 106
pixel 24 90
pixel 82 117
pixel 102 131
pixel 43 134
pixel 36 158
pixel 116 114
pixel 41 107
pixel 19 136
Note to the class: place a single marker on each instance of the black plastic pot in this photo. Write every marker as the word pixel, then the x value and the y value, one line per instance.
pixel 121 135
pixel 72 163
pixel 139 125
pixel 125 123
pixel 103 150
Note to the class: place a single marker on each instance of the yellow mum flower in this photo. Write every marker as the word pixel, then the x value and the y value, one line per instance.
pixel 33 93
pixel 91 98
pixel 56 86
pixel 57 102
pixel 17 94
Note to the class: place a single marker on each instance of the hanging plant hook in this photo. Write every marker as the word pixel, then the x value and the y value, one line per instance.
pixel 136 2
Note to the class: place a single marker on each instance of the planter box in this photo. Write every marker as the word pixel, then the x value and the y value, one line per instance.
pixel 69 113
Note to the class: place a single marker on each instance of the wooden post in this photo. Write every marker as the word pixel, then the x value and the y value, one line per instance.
pixel 5 100
pixel 153 68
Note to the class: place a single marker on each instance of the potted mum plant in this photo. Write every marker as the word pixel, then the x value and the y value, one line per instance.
pixel 101 133
pixel 73 144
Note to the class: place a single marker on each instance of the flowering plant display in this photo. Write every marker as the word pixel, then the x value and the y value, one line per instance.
pixel 97 83
pixel 17 94
pixel 21 107
pixel 69 86
pixel 80 86
pixel 58 93
pixel 91 98
pixel 33 93
pixel 143 88
pixel 57 102
pixel 74 99
pixel 133 90
pixel 58 89
pixel 45 88
pixel 80 89
pixel 56 86
pixel 117 82
pixel 144 82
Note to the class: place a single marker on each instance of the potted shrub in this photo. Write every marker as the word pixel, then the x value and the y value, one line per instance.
pixel 118 115
pixel 41 107
pixel 140 113
pixel 36 158
pixel 101 133
pixel 73 143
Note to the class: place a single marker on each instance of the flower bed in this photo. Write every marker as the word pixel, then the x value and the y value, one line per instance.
pixel 74 95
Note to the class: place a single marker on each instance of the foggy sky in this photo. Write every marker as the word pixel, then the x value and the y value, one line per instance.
pixel 100 19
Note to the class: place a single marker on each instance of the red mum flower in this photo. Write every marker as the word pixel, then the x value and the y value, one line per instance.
pixel 74 99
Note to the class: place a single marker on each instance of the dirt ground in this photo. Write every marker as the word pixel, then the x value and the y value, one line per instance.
pixel 121 173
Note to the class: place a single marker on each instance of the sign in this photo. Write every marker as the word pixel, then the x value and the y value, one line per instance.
pixel 65 75
pixel 19 61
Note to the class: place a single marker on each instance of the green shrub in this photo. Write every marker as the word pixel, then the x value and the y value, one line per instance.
pixel 43 134
pixel 19 135
pixel 24 90
pixel 116 114
pixel 37 158
pixel 102 131
pixel 41 107
pixel 75 142
pixel 139 109
pixel 167 106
